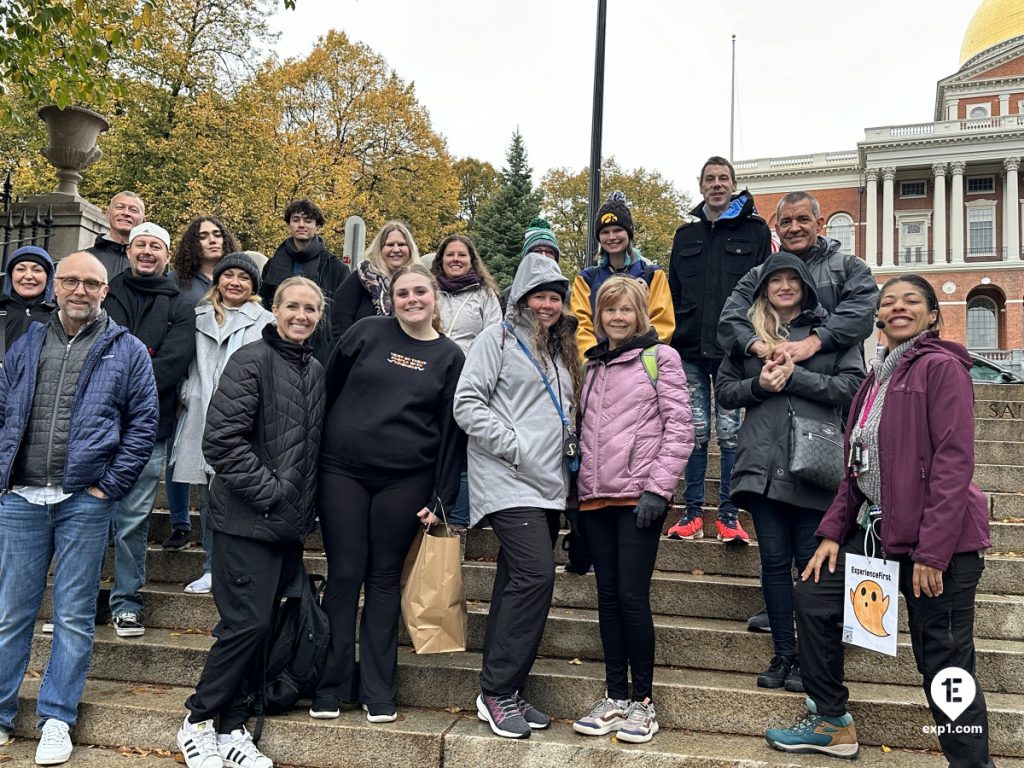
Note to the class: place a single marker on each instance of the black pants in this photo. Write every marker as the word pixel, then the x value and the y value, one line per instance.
pixel 624 558
pixel 367 529
pixel 941 633
pixel 248 579
pixel 523 584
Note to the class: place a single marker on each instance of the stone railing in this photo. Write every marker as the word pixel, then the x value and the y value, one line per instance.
pixel 945 128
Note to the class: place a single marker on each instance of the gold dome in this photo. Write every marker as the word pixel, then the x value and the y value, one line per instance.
pixel 994 22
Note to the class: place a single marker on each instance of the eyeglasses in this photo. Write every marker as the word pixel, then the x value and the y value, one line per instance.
pixel 70 284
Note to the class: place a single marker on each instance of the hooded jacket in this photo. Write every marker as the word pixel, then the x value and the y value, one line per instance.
pixel 467 312
pixel 931 508
pixel 214 346
pixel 820 388
pixel 112 255
pixel 262 438
pixel 636 435
pixel 708 258
pixel 845 288
pixel 515 452
pixel 18 311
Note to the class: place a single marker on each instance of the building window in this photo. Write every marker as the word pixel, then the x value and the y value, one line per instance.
pixel 982 323
pixel 979 111
pixel 979 184
pixel 981 231
pixel 912 189
pixel 840 227
pixel 913 243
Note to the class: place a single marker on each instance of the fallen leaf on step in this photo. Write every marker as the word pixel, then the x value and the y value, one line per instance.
pixel 453 710
pixel 696 572
pixel 179 758
pixel 6 758
pixel 886 749
pixel 1012 554
pixel 576 662
pixel 175 634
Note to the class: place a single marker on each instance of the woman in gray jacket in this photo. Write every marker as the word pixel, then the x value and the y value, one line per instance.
pixel 228 316
pixel 514 401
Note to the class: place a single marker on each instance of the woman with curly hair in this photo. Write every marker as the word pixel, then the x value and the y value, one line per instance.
pixel 515 402
pixel 367 291
pixel 205 241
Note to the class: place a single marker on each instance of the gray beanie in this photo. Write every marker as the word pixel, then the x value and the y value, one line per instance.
pixel 238 261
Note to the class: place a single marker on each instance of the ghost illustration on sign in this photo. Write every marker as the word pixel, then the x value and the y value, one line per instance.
pixel 869 606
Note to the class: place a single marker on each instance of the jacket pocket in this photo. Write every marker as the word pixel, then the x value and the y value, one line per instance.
pixel 739 256
pixel 689 259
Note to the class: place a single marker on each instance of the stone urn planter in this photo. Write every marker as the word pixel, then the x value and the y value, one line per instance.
pixel 73 132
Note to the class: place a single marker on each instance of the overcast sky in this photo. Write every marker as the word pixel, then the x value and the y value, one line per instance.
pixel 811 76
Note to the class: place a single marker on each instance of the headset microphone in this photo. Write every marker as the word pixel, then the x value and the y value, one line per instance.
pixel 879 325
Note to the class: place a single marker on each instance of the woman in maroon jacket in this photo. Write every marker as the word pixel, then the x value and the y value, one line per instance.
pixel 908 490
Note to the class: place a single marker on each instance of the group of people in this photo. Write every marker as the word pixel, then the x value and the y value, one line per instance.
pixel 400 395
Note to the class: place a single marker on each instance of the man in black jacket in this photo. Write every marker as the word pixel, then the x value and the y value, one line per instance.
pixel 126 210
pixel 723 239
pixel 305 254
pixel 148 304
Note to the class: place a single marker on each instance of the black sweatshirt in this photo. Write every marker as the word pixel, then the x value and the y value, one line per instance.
pixel 389 407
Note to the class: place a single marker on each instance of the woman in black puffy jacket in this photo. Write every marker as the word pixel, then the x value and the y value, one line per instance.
pixel 262 439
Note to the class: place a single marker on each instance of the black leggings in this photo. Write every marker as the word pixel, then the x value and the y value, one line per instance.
pixel 368 527
pixel 624 558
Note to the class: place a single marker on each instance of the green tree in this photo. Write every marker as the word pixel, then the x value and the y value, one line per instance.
pixel 501 223
pixel 478 182
pixel 656 205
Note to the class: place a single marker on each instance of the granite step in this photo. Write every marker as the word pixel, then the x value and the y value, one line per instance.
pixel 1008 506
pixel 999 452
pixel 1003 392
pixel 116 713
pixel 997 429
pixel 998 408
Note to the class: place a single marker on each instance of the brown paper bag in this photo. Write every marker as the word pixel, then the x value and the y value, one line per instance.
pixel 433 600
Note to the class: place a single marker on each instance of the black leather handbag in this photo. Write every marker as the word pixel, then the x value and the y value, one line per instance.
pixel 815 450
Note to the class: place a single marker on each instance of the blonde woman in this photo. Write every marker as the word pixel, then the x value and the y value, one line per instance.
pixel 786 509
pixel 228 317
pixel 366 292
pixel 635 438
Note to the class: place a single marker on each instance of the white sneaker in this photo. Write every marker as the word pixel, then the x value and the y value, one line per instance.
pixel 5 736
pixel 198 745
pixel 47 628
pixel 54 743
pixel 201 586
pixel 238 751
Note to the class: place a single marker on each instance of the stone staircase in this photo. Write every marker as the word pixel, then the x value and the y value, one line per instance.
pixel 711 712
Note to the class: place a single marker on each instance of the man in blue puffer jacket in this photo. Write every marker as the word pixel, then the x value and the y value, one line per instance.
pixel 78 419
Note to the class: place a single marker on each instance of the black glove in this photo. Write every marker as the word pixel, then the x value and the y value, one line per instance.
pixel 650 507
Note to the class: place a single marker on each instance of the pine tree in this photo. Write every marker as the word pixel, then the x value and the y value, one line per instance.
pixel 501 223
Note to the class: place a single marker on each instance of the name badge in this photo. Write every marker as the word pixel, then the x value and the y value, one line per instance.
pixel 871 597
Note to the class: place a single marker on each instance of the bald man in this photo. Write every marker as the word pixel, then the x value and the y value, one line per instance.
pixel 60 479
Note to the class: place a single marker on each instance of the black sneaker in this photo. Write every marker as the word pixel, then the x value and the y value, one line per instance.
pixel 794 682
pixel 775 675
pixel 759 621
pixel 325 708
pixel 128 625
pixel 177 540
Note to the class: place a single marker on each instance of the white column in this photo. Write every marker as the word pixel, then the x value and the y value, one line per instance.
pixel 956 212
pixel 939 215
pixel 1011 210
pixel 888 175
pixel 871 225
pixel 1004 105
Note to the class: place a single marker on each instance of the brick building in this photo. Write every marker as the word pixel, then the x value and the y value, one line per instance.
pixel 939 198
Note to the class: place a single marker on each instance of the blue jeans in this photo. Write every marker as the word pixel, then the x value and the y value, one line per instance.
pixel 785 533
pixel 177 498
pixel 700 379
pixel 460 512
pixel 131 530
pixel 74 532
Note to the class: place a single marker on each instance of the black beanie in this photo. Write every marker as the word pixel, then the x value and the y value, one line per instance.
pixel 614 211
pixel 561 287
pixel 238 261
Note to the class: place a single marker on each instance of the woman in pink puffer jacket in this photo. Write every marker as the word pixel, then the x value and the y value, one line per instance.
pixel 635 438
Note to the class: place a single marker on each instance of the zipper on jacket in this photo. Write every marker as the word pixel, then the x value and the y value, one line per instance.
pixel 56 410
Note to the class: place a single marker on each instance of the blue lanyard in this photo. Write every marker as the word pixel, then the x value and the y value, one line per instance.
pixel 544 378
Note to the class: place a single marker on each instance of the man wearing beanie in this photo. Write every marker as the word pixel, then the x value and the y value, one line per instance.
pixel 613 227
pixel 149 304
pixel 722 240
pixel 27 294
pixel 126 210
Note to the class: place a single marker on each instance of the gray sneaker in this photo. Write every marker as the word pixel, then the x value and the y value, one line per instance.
pixel 640 725
pixel 605 716
pixel 503 715
pixel 128 625
pixel 533 716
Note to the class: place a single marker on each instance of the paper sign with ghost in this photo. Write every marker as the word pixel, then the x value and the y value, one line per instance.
pixel 871 597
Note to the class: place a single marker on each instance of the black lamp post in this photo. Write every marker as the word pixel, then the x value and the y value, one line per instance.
pixel 594 201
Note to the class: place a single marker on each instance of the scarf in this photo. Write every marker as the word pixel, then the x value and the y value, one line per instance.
pixel 455 284
pixel 378 286
pixel 866 426
pixel 289 261
pixel 147 303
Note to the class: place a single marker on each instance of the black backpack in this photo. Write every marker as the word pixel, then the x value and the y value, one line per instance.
pixel 298 646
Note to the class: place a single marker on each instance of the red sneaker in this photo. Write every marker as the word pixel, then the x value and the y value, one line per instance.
pixel 730 531
pixel 687 529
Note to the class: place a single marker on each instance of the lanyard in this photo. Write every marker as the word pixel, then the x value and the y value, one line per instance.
pixel 868 403
pixel 551 392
